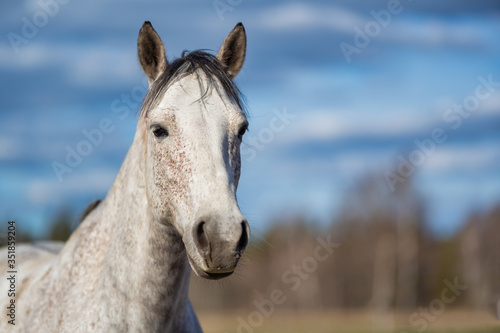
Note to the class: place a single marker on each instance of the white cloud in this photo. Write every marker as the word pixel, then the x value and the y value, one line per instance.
pixel 95 65
pixel 463 158
pixel 48 190
pixel 9 148
pixel 433 33
pixel 31 56
pixel 300 15
pixel 401 27
pixel 105 65
pixel 491 105
pixel 326 125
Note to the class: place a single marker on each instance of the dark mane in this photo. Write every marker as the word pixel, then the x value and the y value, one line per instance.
pixel 89 209
pixel 187 64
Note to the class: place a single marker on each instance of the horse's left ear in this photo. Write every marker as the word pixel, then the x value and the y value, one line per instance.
pixel 233 50
pixel 151 52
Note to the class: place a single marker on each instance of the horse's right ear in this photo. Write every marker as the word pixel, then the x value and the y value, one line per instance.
pixel 151 52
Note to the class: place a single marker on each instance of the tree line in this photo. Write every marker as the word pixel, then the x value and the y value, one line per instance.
pixel 376 253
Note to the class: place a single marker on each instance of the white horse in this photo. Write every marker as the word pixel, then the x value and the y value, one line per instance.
pixel 125 269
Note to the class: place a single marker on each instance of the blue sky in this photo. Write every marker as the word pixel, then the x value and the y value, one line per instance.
pixel 350 117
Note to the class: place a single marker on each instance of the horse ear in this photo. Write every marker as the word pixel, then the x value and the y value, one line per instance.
pixel 233 50
pixel 151 52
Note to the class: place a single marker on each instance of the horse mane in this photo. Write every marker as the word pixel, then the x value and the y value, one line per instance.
pixel 89 209
pixel 187 64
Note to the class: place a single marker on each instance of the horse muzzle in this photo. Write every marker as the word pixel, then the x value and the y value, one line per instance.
pixel 218 245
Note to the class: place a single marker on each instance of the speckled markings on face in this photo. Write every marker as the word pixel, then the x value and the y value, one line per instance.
pixel 171 168
pixel 202 149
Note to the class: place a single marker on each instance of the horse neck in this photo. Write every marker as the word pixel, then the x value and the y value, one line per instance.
pixel 146 261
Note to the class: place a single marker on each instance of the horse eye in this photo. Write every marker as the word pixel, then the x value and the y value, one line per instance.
pixel 242 131
pixel 160 132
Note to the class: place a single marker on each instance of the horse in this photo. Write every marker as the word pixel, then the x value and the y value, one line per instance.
pixel 171 209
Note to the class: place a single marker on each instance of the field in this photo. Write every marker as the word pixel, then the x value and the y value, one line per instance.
pixel 346 322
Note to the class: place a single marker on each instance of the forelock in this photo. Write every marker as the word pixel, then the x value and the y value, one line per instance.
pixel 215 73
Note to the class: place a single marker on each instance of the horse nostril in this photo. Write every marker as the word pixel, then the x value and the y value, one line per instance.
pixel 243 242
pixel 201 238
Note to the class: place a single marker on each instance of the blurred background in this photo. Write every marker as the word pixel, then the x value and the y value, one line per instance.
pixel 375 128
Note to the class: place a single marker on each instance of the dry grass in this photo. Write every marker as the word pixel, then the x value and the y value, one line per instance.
pixel 347 322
